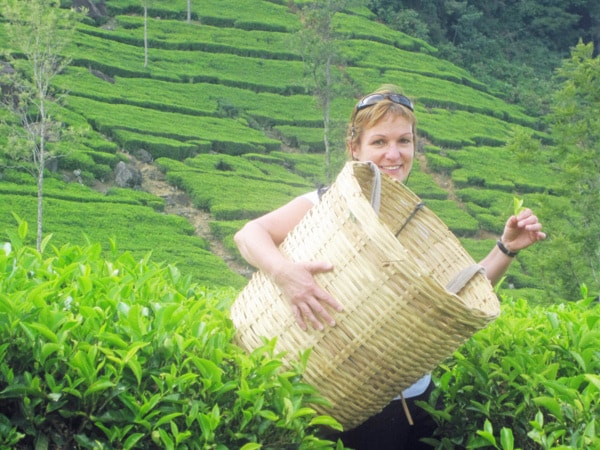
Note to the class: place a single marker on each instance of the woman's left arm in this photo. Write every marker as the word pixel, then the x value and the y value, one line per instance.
pixel 519 232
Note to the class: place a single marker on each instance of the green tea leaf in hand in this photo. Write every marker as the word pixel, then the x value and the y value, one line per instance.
pixel 517 205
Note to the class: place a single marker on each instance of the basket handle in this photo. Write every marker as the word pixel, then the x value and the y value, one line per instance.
pixel 376 190
pixel 463 277
pixel 376 196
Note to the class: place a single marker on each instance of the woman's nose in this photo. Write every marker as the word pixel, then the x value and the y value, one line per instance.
pixel 393 151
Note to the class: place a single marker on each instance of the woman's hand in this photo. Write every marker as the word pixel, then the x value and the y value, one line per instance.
pixel 522 231
pixel 307 298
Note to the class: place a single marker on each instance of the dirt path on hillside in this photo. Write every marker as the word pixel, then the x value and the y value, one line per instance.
pixel 443 181
pixel 178 202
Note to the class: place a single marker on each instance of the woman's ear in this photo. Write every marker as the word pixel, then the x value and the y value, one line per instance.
pixel 354 152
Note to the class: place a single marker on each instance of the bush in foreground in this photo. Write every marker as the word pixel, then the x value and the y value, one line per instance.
pixel 126 354
pixel 528 381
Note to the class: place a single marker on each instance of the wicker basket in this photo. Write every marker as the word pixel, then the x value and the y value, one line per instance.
pixel 411 294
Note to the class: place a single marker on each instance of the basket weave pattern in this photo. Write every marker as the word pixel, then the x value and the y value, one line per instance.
pixel 390 274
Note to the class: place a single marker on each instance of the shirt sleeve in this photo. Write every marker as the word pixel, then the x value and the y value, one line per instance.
pixel 312 197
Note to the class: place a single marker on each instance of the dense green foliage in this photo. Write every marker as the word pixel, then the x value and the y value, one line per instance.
pixel 576 125
pixel 123 353
pixel 529 381
pixel 513 45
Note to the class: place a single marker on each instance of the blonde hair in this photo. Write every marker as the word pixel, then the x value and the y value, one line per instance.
pixel 368 117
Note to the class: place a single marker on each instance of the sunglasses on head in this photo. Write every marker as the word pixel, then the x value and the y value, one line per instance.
pixel 372 99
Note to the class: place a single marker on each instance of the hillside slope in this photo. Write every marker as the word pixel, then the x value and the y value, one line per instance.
pixel 223 111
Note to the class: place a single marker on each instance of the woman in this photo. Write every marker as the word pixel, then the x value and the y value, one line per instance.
pixel 382 130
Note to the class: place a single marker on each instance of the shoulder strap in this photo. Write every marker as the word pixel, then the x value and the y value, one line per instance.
pixel 322 190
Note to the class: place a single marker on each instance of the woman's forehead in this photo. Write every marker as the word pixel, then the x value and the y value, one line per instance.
pixel 390 122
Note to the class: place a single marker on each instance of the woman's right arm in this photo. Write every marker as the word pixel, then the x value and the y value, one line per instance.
pixel 258 242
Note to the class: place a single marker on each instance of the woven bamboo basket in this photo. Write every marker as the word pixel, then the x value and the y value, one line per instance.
pixel 411 294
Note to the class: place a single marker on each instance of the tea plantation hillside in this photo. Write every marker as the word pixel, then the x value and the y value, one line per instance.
pixel 223 110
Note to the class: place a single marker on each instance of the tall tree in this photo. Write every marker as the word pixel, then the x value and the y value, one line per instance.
pixel 39 32
pixel 318 43
pixel 576 129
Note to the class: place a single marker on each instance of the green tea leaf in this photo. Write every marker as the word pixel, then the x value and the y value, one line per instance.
pixel 251 446
pixel 43 330
pixel 98 386
pixel 48 349
pixel 551 404
pixel 517 206
pixel 22 228
pixel 132 440
pixel 166 419
pixel 269 415
pixel 507 439
pixel 303 412
pixel 488 437
pixel 593 379
pixel 327 421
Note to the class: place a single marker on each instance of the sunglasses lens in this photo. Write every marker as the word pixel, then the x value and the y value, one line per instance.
pixel 402 100
pixel 370 100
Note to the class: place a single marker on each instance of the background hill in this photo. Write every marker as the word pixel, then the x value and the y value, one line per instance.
pixel 223 111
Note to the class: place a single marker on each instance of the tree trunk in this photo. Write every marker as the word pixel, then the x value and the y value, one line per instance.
pixel 40 205
pixel 189 11
pixel 41 165
pixel 145 36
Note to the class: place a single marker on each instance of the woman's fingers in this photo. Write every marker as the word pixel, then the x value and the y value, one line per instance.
pixel 311 304
pixel 313 312
pixel 299 317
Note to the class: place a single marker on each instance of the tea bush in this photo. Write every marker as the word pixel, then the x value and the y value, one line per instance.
pixel 461 223
pixel 529 381
pixel 123 353
pixel 159 146
pixel 230 136
pixel 179 35
pixel 525 178
pixel 233 188
pixel 211 12
pixel 371 54
pixel 355 27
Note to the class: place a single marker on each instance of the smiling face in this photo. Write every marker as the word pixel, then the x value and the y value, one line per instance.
pixel 390 144
pixel 383 130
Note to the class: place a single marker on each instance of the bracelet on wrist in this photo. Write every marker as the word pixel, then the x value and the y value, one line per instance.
pixel 504 250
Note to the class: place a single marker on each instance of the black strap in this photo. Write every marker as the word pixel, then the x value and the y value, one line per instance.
pixel 321 191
